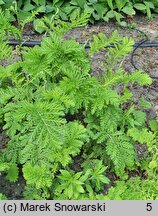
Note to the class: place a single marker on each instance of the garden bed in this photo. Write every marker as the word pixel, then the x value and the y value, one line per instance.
pixel 144 58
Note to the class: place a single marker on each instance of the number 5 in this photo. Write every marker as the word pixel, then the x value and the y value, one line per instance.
pixel 149 206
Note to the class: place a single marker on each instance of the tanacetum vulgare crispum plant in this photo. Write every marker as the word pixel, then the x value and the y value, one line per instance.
pixel 66 128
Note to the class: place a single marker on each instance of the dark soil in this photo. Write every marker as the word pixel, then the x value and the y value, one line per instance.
pixel 3 139
pixel 13 191
pixel 145 59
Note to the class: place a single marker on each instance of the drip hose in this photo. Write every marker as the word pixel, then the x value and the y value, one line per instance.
pixel 32 43
pixel 142 43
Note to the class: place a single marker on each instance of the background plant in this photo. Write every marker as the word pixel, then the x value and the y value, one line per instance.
pixel 67 10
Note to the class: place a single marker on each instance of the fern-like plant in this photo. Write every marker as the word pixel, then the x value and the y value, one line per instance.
pixel 133 189
pixel 53 110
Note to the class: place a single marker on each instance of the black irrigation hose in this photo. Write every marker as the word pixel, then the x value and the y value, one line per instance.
pixel 31 43
pixel 142 44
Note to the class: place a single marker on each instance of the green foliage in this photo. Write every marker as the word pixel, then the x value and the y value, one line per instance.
pixel 141 135
pixel 71 9
pixel 121 151
pixel 82 185
pixel 94 174
pixel 70 184
pixel 38 176
pixel 152 169
pixel 133 189
pixel 32 193
pixel 54 111
pixel 13 173
pixel 6 50
pixel 5 26
pixel 2 197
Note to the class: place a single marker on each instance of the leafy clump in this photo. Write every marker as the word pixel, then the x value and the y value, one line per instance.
pixel 133 189
pixel 54 111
